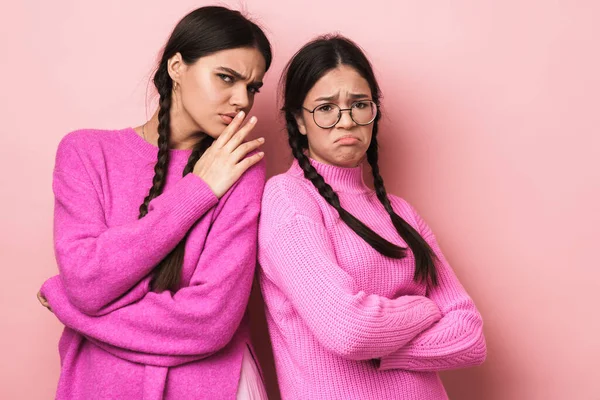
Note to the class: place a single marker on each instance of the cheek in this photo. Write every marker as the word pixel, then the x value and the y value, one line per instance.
pixel 250 102
pixel 201 92
pixel 367 134
pixel 319 139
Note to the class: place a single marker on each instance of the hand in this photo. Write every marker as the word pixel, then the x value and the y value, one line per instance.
pixel 224 162
pixel 43 301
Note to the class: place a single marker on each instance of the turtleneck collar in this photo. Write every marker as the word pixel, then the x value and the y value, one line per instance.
pixel 341 179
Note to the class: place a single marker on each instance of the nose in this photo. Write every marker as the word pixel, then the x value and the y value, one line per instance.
pixel 345 121
pixel 239 97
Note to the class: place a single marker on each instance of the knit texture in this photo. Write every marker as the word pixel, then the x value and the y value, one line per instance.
pixel 345 321
pixel 121 340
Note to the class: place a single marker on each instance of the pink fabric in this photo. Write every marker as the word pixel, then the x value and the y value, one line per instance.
pixel 251 386
pixel 122 340
pixel 345 321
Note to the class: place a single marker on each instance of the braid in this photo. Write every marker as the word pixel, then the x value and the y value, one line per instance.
pixel 311 173
pixel 199 149
pixel 160 169
pixel 372 157
pixel 424 266
pixel 373 239
pixel 167 273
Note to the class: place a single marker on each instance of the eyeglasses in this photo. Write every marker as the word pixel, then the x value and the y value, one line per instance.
pixel 327 115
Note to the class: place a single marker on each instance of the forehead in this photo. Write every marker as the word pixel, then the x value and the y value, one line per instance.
pixel 341 80
pixel 246 60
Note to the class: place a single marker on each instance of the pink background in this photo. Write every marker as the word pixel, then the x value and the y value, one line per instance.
pixel 491 131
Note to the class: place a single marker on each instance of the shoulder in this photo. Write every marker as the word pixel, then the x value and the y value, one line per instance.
pixel 401 206
pixel 82 146
pixel 84 138
pixel 288 195
pixel 404 209
pixel 253 179
pixel 410 214
pixel 247 191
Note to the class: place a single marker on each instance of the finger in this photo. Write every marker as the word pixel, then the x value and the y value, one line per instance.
pixel 241 134
pixel 245 148
pixel 247 162
pixel 230 130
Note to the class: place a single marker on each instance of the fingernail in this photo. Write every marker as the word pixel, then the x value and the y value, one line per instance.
pixel 261 154
pixel 240 114
pixel 253 119
pixel 262 140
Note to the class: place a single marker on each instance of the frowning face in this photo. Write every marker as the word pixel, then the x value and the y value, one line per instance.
pixel 212 90
pixel 344 144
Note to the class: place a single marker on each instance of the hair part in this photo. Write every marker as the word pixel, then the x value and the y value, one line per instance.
pixel 306 67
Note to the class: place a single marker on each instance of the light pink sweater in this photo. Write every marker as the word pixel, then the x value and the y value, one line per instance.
pixel 345 321
pixel 121 340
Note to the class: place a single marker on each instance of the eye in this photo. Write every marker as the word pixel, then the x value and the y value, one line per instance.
pixel 226 78
pixel 253 90
pixel 360 105
pixel 325 108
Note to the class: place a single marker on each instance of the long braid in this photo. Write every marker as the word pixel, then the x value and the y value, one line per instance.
pixel 199 149
pixel 160 169
pixel 373 239
pixel 424 266
pixel 167 273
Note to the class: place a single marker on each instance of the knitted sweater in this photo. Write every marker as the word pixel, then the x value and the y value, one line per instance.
pixel 345 321
pixel 123 341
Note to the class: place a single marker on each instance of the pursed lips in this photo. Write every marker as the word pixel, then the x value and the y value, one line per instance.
pixel 348 138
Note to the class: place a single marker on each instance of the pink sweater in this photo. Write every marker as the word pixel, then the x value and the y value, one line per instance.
pixel 345 321
pixel 121 340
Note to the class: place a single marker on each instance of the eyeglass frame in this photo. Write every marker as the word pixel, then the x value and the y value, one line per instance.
pixel 340 113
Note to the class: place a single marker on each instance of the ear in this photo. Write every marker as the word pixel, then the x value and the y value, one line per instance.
pixel 301 123
pixel 175 67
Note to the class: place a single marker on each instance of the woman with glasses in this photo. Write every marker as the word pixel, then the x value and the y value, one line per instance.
pixel 361 303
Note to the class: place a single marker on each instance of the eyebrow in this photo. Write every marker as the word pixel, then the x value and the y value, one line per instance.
pixel 239 76
pixel 353 96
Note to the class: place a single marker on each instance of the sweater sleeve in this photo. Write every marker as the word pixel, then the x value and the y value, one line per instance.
pixel 97 263
pixel 197 320
pixel 456 340
pixel 296 254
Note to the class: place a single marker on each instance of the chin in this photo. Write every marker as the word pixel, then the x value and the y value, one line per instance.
pixel 215 131
pixel 349 160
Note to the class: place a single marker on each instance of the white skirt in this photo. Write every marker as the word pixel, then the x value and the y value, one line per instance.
pixel 251 386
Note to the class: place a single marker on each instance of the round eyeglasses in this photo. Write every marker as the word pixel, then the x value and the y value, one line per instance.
pixel 362 112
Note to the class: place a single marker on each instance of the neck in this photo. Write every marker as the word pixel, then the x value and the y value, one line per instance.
pixel 182 136
pixel 342 179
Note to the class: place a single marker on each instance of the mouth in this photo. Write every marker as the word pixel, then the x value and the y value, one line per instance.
pixel 348 139
pixel 228 117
